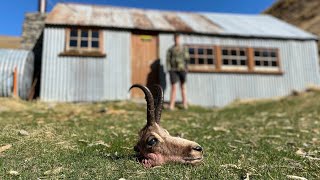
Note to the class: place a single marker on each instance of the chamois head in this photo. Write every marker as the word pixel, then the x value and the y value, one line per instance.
pixel 155 145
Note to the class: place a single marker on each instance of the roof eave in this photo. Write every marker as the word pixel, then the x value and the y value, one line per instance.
pixel 313 38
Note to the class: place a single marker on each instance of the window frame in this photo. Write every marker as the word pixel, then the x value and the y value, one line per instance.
pixel 237 57
pixel 205 66
pixel 84 51
pixel 250 68
pixel 270 69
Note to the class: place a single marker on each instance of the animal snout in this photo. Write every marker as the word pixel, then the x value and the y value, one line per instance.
pixel 198 148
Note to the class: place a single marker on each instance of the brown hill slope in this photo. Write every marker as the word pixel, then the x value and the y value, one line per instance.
pixel 302 13
pixel 10 42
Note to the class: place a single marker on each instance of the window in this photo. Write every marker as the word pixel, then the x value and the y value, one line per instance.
pixel 266 59
pixel 83 42
pixel 234 58
pixel 201 57
pixel 225 59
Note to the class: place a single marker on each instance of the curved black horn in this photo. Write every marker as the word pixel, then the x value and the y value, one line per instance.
pixel 159 102
pixel 150 103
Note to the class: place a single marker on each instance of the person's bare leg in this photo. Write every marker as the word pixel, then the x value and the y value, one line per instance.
pixel 173 96
pixel 184 95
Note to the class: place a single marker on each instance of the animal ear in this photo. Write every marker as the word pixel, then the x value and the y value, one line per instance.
pixel 150 103
pixel 158 102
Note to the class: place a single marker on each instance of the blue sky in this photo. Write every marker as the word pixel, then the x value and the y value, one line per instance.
pixel 12 11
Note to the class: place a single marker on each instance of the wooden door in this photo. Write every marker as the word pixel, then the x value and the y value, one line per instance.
pixel 145 61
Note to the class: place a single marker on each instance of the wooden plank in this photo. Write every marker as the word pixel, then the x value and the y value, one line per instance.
pixel 278 59
pixel 101 42
pixel 32 89
pixel 250 55
pixel 232 71
pixel 218 57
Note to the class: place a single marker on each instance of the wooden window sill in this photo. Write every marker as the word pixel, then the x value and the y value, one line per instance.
pixel 207 68
pixel 75 53
pixel 235 72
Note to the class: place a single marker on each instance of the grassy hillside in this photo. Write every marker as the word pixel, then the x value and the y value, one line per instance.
pixel 275 139
pixel 302 13
pixel 10 42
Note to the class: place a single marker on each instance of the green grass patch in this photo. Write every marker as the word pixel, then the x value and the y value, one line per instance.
pixel 263 140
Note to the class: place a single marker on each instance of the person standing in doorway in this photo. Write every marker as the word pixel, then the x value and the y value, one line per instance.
pixel 177 61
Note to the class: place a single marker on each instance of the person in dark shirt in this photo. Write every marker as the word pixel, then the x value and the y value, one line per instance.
pixel 177 60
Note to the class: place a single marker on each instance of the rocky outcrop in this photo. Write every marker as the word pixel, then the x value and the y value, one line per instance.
pixel 302 13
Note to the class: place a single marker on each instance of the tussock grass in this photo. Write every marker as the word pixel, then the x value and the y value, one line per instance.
pixel 273 139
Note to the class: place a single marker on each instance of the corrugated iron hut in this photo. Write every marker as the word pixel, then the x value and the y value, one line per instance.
pixel 23 62
pixel 94 53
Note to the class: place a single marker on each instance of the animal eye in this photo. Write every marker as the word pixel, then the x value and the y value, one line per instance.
pixel 152 142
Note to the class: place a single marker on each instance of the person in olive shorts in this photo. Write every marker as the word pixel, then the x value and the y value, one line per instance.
pixel 177 60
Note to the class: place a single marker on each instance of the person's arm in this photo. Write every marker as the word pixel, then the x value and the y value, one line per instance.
pixel 186 54
pixel 186 57
pixel 168 64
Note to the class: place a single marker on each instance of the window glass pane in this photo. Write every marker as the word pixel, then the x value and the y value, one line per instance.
pixel 95 34
pixel 84 43
pixel 225 52
pixel 95 44
pixel 84 33
pixel 274 63
pixel 200 51
pixel 210 61
pixel 233 52
pixel 191 50
pixel 201 61
pixel 243 62
pixel 84 38
pixel 225 61
pixel 74 33
pixel 209 51
pixel 73 43
pixel 266 58
pixel 242 53
pixel 192 61
pixel 234 62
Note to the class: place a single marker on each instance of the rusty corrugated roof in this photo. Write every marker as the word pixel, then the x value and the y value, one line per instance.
pixel 169 21
pixel 129 18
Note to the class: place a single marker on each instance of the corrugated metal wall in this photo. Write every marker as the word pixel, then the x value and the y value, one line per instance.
pixel 76 79
pixel 299 61
pixel 24 61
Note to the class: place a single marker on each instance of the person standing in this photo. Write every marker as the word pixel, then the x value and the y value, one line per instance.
pixel 177 60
